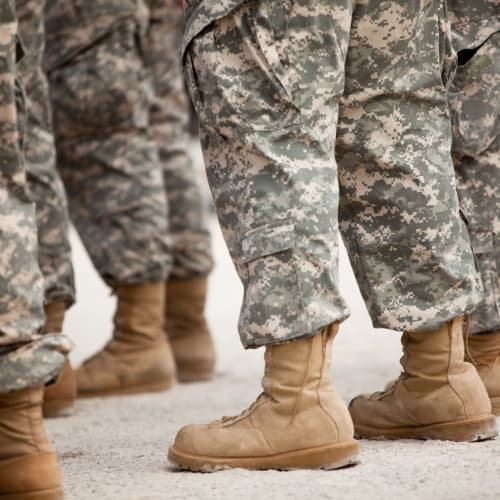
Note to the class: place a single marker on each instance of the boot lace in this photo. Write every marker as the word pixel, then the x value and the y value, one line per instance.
pixel 244 413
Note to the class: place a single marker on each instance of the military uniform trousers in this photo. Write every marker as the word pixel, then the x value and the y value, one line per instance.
pixel 323 117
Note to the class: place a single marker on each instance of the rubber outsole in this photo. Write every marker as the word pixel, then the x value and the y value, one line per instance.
pixel 469 430
pixel 329 457
pixel 52 494
pixel 164 385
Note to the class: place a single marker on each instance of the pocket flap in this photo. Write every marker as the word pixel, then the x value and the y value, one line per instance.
pixel 267 240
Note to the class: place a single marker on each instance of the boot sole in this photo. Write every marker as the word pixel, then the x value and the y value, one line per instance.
pixel 495 404
pixel 194 371
pixel 127 391
pixel 52 494
pixel 473 429
pixel 323 457
pixel 58 408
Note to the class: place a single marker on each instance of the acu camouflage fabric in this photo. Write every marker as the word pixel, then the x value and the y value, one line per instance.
pixel 188 230
pixel 475 111
pixel 284 88
pixel 106 153
pixel 26 359
pixel 473 21
pixel 45 185
pixel 120 118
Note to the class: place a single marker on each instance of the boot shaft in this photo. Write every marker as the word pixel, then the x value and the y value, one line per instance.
pixel 430 357
pixel 435 369
pixel 21 424
pixel 297 372
pixel 139 313
pixel 185 305
pixel 484 349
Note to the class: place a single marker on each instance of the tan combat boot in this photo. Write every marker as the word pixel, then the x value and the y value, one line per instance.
pixel 438 395
pixel 138 358
pixel 298 422
pixel 28 464
pixel 187 329
pixel 484 354
pixel 60 397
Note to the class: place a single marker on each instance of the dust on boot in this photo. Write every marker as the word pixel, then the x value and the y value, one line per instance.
pixel 138 358
pixel 187 329
pixel 298 421
pixel 59 397
pixel 484 353
pixel 438 395
pixel 28 464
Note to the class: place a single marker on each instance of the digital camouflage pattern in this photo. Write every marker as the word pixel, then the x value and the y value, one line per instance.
pixel 73 25
pixel 475 111
pixel 188 231
pixel 106 153
pixel 120 118
pixel 473 21
pixel 26 359
pixel 45 186
pixel 271 81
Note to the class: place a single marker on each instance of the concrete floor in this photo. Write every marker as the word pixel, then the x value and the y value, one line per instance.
pixel 115 449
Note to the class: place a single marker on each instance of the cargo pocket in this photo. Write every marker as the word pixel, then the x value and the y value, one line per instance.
pixel 474 101
pixel 273 306
pixel 233 72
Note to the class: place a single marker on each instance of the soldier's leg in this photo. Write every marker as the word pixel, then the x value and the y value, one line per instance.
pixel 400 219
pixel 46 190
pixel 27 360
pixel 475 111
pixel 188 231
pixel 110 167
pixel 266 80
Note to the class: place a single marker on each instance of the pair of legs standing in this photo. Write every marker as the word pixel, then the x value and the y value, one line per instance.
pixel 285 92
pixel 120 117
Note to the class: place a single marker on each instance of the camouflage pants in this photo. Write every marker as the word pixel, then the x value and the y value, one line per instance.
pixel 285 91
pixel 44 183
pixel 120 119
pixel 188 231
pixel 26 359
pixel 475 112
pixel 107 156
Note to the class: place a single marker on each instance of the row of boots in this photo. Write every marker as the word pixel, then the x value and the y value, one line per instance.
pixel 298 421
pixel 160 336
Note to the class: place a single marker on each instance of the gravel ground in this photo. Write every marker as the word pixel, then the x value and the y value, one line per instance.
pixel 115 448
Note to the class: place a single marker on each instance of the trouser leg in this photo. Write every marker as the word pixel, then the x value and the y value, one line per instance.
pixel 188 231
pixel 26 359
pixel 45 186
pixel 108 159
pixel 398 207
pixel 266 81
pixel 475 110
